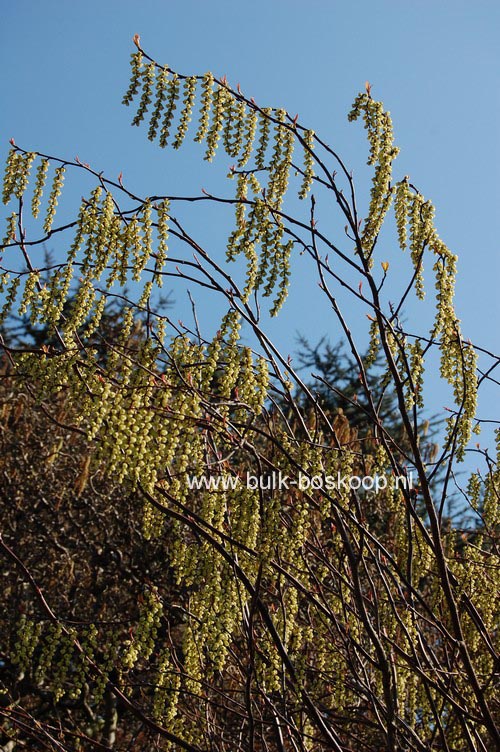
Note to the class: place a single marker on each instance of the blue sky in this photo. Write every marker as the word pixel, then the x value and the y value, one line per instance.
pixel 434 64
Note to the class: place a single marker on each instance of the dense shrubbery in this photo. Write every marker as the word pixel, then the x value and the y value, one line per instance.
pixel 144 613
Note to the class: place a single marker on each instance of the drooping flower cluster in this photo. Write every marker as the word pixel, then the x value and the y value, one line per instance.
pixel 415 228
pixel 226 115
pixel 378 124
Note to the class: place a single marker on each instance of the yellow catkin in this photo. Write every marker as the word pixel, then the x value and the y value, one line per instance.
pixel 55 192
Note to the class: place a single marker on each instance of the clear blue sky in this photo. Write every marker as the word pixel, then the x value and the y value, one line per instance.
pixel 434 64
